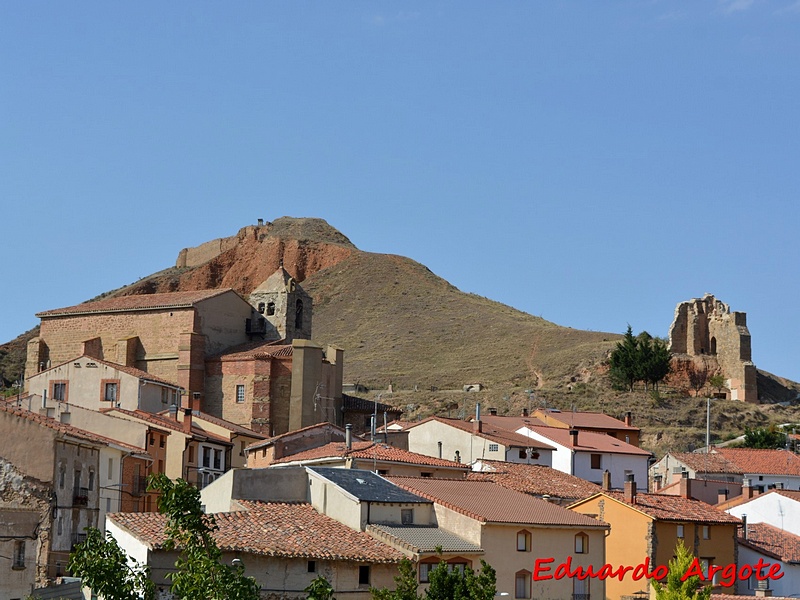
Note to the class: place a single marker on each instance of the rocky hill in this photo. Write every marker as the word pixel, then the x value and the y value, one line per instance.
pixel 402 325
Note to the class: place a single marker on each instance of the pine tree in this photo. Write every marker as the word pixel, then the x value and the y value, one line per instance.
pixel 675 587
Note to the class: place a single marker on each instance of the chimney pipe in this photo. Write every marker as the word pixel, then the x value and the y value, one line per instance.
pixel 629 491
pixel 477 425
pixel 744 525
pixel 440 449
pixel 574 435
pixel 187 420
pixel 606 480
pixel 722 495
pixel 685 485
pixel 348 437
pixel 628 419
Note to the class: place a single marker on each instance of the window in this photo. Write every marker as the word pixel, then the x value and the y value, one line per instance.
pixel 298 317
pixel 91 479
pixel 76 482
pixel 59 526
pixel 261 307
pixel 424 571
pixel 110 469
pixel 218 459
pixel 191 454
pixel 161 441
pixel 706 532
pixel 240 393
pixel 580 589
pixel 59 391
pixel 207 457
pixel 523 454
pixel 383 472
pixel 457 566
pixel 62 475
pixel 152 439
pixel 581 543
pixel 597 461
pixel 19 555
pixel 164 396
pixel 110 391
pixel 494 447
pixel 312 566
pixel 522 584
pixel 270 309
pixel 426 474
pixel 363 572
pixel 407 516
pixel 523 541
pixel 680 531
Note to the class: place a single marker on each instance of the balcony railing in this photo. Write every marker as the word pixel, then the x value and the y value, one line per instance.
pixel 81 497
pixel 581 597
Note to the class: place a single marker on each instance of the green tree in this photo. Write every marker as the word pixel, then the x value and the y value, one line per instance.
pixel 717 381
pixel 199 574
pixel 450 584
pixel 697 377
pixel 319 589
pixel 624 369
pixel 106 570
pixel 764 438
pixel 406 586
pixel 675 587
pixel 657 363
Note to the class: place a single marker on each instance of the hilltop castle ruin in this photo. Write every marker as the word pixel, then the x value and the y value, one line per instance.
pixel 706 329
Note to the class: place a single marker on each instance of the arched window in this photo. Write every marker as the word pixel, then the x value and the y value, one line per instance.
pixel 581 543
pixel 522 584
pixel 298 317
pixel 713 344
pixel 523 541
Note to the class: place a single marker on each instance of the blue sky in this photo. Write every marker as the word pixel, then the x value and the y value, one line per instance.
pixel 594 163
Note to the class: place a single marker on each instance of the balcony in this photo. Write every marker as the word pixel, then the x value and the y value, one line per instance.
pixel 581 597
pixel 81 497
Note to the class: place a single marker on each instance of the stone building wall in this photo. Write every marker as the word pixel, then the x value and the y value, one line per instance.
pixel 705 327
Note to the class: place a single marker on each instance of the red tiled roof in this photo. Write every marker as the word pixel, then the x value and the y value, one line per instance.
pixel 488 502
pixel 275 438
pixel 589 420
pixel 674 508
pixel 768 462
pixel 489 432
pixel 588 441
pixel 706 462
pixel 537 480
pixel 772 541
pixel 255 350
pixel 166 422
pixel 370 450
pixel 137 302
pixel 273 529
pixel 233 427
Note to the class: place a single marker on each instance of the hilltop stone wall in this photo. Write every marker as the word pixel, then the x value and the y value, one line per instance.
pixel 193 257
pixel 705 327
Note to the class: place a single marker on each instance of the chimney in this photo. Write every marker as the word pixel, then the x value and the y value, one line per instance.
pixel 685 485
pixel 628 419
pixel 763 593
pixel 524 412
pixel 348 437
pixel 747 489
pixel 607 480
pixel 260 222
pixel 440 449
pixel 477 425
pixel 722 495
pixel 744 525
pixel 187 420
pixel 65 416
pixel 574 435
pixel 629 492
pixel 493 412
pixel 173 411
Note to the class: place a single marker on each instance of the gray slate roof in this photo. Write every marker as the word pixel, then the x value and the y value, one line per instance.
pixel 367 486
pixel 426 539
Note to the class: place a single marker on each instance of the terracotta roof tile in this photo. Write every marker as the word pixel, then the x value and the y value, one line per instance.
pixel 588 420
pixel 488 502
pixel 133 371
pixel 233 427
pixel 491 433
pixel 273 529
pixel 168 423
pixel 255 350
pixel 772 541
pixel 307 428
pixel 419 539
pixel 137 302
pixel 706 463
pixel 536 480
pixel 370 450
pixel 588 441
pixel 675 508
pixel 772 462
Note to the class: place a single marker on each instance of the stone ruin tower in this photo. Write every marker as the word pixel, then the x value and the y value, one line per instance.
pixel 284 305
pixel 705 327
